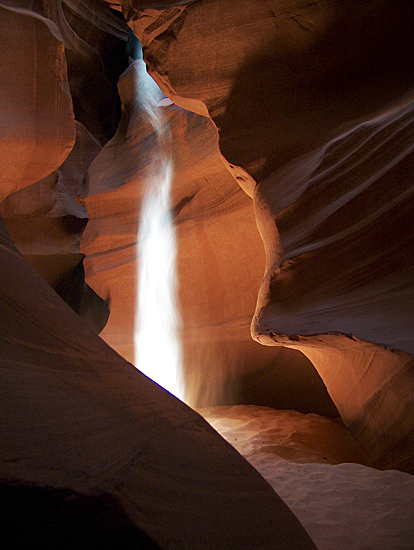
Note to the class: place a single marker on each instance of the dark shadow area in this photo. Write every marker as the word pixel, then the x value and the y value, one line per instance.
pixel 281 388
pixel 60 519
pixel 82 299
pixel 247 373
pixel 63 271
pixel 289 99
pixel 93 79
pixel 66 275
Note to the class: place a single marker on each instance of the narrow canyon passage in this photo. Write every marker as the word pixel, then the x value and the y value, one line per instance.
pixel 298 454
pixel 230 208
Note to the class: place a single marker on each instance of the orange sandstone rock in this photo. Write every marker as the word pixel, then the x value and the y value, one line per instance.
pixel 38 129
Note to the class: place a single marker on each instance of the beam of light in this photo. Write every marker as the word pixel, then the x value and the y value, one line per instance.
pixel 156 339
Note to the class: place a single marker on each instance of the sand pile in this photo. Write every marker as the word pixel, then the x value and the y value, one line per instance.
pixel 343 506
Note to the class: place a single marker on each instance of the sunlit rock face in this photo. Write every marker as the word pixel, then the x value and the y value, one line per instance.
pixel 66 62
pixel 321 129
pixel 325 158
pixel 220 260
pixel 46 221
pixel 37 125
pixel 315 128
pixel 38 133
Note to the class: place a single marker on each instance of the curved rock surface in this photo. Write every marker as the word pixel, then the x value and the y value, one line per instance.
pixel 311 106
pixel 75 416
pixel 47 218
pixel 46 221
pixel 219 261
pixel 343 214
pixel 345 223
pixel 322 129
pixel 38 130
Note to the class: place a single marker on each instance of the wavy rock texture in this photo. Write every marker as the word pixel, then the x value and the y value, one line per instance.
pixel 220 260
pixel 275 78
pixel 343 214
pixel 81 428
pixel 52 206
pixel 46 221
pixel 47 218
pixel 77 418
pixel 311 107
pixel 346 224
pixel 97 53
pixel 322 129
pixel 38 130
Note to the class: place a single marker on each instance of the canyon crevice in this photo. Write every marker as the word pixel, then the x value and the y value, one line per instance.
pixel 290 133
pixel 320 130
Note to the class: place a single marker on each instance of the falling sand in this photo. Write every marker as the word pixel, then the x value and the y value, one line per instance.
pixel 312 462
pixel 156 292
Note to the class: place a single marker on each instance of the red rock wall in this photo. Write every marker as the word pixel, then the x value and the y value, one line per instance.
pixel 311 105
pixel 37 118
pixel 313 101
pixel 75 415
pixel 220 259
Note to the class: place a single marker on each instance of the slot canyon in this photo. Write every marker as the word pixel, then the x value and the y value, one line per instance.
pixel 284 130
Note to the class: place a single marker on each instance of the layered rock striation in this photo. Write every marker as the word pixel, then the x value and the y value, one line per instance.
pixel 38 129
pixel 60 106
pixel 219 258
pixel 304 107
pixel 313 106
pixel 85 435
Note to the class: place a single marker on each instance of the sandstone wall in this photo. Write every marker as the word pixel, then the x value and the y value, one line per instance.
pixel 38 130
pixel 312 102
pixel 77 418
pixel 220 259
pixel 311 106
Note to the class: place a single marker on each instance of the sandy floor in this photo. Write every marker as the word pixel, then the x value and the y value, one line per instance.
pixel 343 506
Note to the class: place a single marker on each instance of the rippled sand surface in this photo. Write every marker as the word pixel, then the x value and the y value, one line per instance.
pixel 342 505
